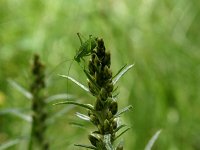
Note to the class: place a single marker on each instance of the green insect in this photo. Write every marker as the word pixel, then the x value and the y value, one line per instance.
pixel 86 48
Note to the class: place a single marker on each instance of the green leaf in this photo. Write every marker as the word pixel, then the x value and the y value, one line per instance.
pixel 152 140
pixel 16 112
pixel 85 146
pixel 123 110
pixel 22 90
pixel 9 144
pixel 88 106
pixel 82 116
pixel 121 134
pixel 120 127
pixel 121 72
pixel 81 126
pixel 76 82
pixel 58 97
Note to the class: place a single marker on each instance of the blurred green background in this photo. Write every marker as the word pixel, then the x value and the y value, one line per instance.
pixel 162 39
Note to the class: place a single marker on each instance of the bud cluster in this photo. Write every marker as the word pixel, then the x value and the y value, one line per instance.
pixel 102 87
pixel 38 106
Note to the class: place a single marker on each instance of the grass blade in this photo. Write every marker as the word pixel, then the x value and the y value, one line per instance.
pixel 152 140
pixel 22 90
pixel 124 110
pixel 121 73
pixel 76 82
pixel 82 116
pixel 58 97
pixel 16 112
pixel 85 146
pixel 121 134
pixel 9 144
pixel 120 127
pixel 88 106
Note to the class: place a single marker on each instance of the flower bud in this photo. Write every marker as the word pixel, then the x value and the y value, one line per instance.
pixel 91 68
pixel 113 107
pixel 109 115
pixel 107 72
pixel 106 60
pixel 106 125
pixel 103 94
pixel 109 87
pixel 94 119
pixel 94 139
pixel 114 124
pixel 98 105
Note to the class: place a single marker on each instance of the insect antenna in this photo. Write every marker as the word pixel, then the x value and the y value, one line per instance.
pixel 70 65
pixel 50 73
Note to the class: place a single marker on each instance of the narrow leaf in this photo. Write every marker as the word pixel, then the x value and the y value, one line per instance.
pixel 16 112
pixel 82 116
pixel 88 106
pixel 123 110
pixel 22 90
pixel 86 146
pixel 120 127
pixel 121 134
pixel 9 144
pixel 78 125
pixel 121 73
pixel 58 97
pixel 76 82
pixel 152 140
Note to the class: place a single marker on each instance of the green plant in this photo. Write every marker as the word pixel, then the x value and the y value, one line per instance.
pixel 104 114
pixel 39 112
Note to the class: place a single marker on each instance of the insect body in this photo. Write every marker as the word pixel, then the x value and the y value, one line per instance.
pixel 86 48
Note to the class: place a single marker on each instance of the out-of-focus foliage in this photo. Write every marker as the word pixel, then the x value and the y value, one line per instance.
pixel 161 37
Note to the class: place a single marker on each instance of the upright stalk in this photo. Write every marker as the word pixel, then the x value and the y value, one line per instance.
pixel 39 112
